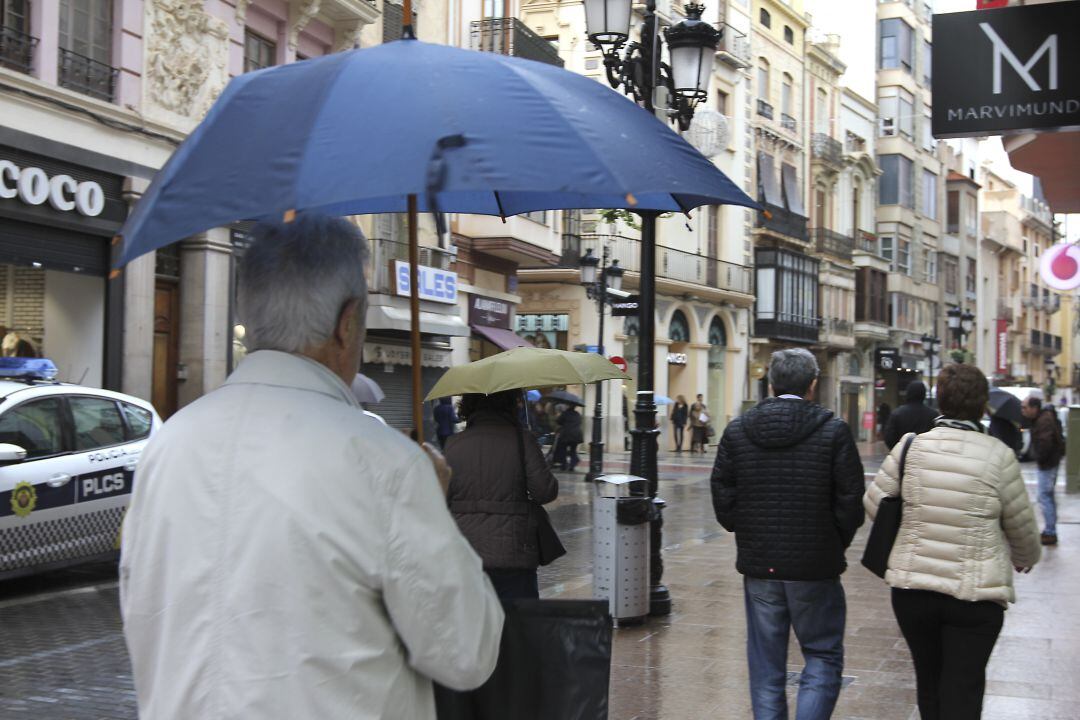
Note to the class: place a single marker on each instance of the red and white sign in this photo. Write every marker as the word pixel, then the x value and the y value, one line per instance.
pixel 1060 266
pixel 868 421
pixel 618 362
pixel 1002 346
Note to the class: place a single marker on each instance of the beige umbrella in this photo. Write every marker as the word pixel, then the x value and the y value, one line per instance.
pixel 525 367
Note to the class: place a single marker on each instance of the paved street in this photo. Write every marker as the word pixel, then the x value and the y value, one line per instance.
pixel 62 654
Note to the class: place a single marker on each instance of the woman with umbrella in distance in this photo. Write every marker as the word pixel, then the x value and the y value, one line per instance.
pixel 498 473
pixel 1005 415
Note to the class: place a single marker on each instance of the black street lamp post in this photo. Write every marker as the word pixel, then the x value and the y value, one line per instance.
pixel 640 70
pixel 596 287
pixel 961 323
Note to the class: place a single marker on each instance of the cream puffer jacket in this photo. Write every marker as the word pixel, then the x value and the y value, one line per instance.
pixel 966 516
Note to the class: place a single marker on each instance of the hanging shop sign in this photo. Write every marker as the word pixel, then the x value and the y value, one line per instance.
pixel 887 358
pixel 677 358
pixel 1002 346
pixel 435 284
pixel 489 312
pixel 379 354
pixel 1060 266
pixel 625 307
pixel 1006 70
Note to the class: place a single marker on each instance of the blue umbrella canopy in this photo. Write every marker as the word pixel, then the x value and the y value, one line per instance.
pixel 358 132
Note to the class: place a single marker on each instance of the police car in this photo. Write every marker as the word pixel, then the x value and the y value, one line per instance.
pixel 67 462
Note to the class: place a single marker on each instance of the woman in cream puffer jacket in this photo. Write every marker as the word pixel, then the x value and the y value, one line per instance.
pixel 966 524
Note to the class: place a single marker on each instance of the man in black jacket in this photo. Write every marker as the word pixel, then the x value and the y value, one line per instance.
pixel 1048 448
pixel 911 417
pixel 789 483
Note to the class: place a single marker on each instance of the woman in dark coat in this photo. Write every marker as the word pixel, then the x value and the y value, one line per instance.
pixel 445 419
pixel 680 413
pixel 570 436
pixel 498 472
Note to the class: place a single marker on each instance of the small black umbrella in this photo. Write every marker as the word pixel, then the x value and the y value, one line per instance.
pixel 1005 405
pixel 565 397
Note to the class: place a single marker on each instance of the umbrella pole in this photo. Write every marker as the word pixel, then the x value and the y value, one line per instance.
pixel 414 319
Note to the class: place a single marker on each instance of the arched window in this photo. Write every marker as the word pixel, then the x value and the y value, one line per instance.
pixel 766 18
pixel 631 326
pixel 763 79
pixel 787 96
pixel 717 333
pixel 789 35
pixel 679 328
pixel 821 112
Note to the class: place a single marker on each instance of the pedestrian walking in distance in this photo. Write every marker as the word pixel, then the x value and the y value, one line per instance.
pixel 1048 448
pixel 788 482
pixel 699 422
pixel 966 523
pixel 680 413
pixel 570 436
pixel 445 420
pixel 912 417
pixel 284 555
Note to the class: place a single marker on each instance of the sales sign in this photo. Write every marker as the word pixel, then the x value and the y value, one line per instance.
pixel 1006 70
pixel 434 284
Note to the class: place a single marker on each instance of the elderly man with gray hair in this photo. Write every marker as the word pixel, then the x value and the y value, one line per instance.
pixel 284 555
pixel 788 482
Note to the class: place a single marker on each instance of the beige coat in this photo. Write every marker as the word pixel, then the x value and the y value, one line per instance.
pixel 286 556
pixel 966 517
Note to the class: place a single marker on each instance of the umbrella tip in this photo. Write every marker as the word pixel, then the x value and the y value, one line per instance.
pixel 115 273
pixel 289 216
pixel 117 239
pixel 631 200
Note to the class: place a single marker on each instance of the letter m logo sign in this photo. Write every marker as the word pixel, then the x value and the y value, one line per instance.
pixel 1001 50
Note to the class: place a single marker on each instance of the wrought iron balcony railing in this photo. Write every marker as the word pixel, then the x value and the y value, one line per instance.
pixel 788 326
pixel 867 242
pixel 826 148
pixel 782 220
pixel 671 264
pixel 787 122
pixel 764 109
pixel 510 36
pixel 734 46
pixel 381 278
pixel 833 243
pixel 89 77
pixel 16 49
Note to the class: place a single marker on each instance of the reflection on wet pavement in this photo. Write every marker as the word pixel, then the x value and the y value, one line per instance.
pixel 692 664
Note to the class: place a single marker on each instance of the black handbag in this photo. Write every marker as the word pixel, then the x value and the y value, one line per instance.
pixel 549 546
pixel 887 523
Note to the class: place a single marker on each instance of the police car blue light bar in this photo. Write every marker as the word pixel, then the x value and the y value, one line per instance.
pixel 27 368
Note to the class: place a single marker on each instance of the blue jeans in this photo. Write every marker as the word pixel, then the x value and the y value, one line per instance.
pixel 1047 481
pixel 817 611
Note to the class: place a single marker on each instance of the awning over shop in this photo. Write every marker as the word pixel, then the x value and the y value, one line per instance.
pixel 505 339
pixel 388 317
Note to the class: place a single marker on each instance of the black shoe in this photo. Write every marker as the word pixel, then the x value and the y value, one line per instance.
pixel 1048 539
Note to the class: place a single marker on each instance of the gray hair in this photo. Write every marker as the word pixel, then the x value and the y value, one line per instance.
pixel 295 278
pixel 791 371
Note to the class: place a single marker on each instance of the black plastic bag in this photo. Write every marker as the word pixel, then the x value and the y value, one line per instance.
pixel 554 664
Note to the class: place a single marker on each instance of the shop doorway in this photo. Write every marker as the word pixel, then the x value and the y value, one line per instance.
pixel 717 376
pixel 166 346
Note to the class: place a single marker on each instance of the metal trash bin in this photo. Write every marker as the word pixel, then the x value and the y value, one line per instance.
pixel 622 511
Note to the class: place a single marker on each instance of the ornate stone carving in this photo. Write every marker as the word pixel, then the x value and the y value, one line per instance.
pixel 347 35
pixel 241 10
pixel 300 14
pixel 186 54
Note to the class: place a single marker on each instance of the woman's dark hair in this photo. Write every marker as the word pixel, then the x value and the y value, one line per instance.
pixel 503 403
pixel 962 392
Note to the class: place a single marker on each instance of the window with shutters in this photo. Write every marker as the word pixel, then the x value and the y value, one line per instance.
pixel 259 52
pixel 86 28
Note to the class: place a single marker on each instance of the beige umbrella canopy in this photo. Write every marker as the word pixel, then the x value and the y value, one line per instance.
pixel 525 367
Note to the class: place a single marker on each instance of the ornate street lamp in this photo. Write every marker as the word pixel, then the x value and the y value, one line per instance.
pixel 967 322
pixel 596 287
pixel 640 70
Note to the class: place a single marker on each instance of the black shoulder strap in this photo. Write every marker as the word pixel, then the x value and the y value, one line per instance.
pixel 903 460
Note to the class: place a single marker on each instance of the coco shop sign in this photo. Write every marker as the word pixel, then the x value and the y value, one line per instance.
pixel 33 186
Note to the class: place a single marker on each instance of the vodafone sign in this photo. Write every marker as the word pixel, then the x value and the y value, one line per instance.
pixel 33 186
pixel 1060 266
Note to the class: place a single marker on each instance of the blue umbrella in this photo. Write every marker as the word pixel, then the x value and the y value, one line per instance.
pixel 464 131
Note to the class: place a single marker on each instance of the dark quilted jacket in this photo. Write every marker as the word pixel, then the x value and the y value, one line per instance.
pixel 487 493
pixel 789 483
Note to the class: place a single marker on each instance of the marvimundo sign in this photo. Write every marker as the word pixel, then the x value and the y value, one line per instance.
pixel 1007 70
